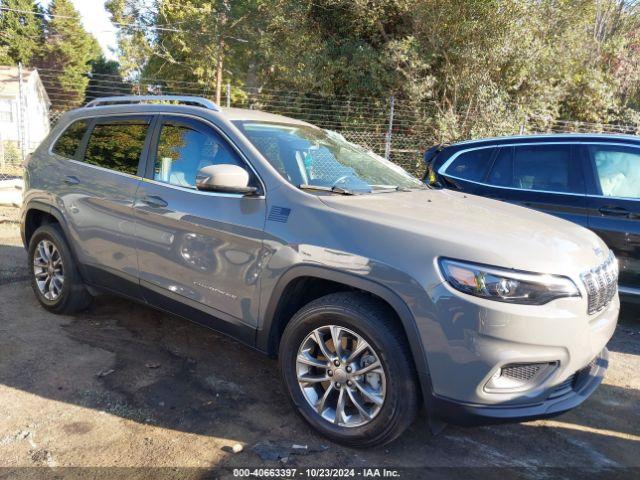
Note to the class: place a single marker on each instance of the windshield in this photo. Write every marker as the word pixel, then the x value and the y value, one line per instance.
pixel 309 157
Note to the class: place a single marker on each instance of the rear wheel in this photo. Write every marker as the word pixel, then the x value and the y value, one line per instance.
pixel 54 276
pixel 347 368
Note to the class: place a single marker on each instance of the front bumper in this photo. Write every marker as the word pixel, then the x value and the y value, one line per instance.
pixel 470 340
pixel 558 399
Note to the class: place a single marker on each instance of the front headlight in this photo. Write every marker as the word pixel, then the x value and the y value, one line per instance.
pixel 503 285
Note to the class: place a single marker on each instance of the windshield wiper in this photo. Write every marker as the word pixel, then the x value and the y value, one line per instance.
pixel 390 188
pixel 334 189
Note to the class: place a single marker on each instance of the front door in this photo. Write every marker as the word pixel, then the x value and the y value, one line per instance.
pixel 614 206
pixel 198 249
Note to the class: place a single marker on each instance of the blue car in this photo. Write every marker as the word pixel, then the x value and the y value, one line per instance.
pixel 592 180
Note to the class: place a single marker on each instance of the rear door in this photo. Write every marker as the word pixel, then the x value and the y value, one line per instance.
pixel 200 250
pixel 547 177
pixel 614 205
pixel 99 186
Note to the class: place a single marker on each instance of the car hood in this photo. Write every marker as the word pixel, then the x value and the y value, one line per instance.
pixel 478 229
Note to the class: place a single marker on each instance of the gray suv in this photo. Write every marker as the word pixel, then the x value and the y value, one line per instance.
pixel 376 292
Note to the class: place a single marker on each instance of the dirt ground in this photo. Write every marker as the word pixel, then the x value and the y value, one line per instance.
pixel 140 394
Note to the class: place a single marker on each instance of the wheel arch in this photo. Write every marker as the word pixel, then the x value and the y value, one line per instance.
pixel 274 322
pixel 37 213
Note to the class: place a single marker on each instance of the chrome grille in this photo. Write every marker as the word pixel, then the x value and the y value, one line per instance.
pixel 601 283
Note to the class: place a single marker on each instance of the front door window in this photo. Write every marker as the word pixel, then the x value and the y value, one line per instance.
pixel 185 148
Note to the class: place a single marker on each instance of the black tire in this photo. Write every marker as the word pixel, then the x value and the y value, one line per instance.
pixel 378 325
pixel 73 296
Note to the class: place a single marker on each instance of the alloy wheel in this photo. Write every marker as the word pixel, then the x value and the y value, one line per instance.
pixel 48 270
pixel 341 376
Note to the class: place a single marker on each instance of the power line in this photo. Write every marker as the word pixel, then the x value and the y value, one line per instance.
pixel 415 123
pixel 133 26
pixel 185 84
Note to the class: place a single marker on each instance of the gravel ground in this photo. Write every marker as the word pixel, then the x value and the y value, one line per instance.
pixel 123 388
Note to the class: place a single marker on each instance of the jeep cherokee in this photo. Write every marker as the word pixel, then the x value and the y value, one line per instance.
pixel 376 292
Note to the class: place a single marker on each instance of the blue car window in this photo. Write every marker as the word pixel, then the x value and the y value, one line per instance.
pixel 542 167
pixel 502 170
pixel 547 168
pixel 471 165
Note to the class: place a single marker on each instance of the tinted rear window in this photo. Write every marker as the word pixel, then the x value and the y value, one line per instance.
pixel 117 145
pixel 472 165
pixel 502 170
pixel 68 143
pixel 537 167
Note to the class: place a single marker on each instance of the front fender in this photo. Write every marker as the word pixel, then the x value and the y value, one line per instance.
pixel 370 276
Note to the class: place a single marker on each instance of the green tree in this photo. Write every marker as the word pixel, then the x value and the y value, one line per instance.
pixel 458 69
pixel 67 55
pixel 21 31
pixel 201 41
pixel 105 80
pixel 135 35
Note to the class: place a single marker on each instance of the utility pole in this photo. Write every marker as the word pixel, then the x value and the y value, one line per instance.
pixel 21 114
pixel 387 140
pixel 222 22
pixel 219 66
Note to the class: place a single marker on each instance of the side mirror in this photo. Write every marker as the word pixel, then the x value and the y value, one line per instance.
pixel 225 178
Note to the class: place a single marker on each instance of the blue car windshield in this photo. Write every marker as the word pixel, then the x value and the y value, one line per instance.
pixel 310 156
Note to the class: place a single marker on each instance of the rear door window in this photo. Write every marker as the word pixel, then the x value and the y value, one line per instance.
pixel 472 165
pixel 548 168
pixel 68 143
pixel 617 170
pixel 117 144
pixel 502 170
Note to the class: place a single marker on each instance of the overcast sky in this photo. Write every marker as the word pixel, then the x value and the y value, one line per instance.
pixel 97 21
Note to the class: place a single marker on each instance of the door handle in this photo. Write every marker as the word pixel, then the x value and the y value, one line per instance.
pixel 71 180
pixel 154 201
pixel 615 211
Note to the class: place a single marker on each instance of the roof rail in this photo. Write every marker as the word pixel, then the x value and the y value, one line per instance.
pixel 132 99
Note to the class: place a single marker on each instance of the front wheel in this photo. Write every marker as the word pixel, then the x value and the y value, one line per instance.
pixel 347 368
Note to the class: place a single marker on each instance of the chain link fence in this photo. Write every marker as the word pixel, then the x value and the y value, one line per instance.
pixel 11 183
pixel 393 129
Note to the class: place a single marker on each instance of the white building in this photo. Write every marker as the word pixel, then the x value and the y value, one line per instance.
pixel 35 105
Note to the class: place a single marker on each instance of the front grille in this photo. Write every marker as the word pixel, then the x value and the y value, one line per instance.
pixel 601 283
